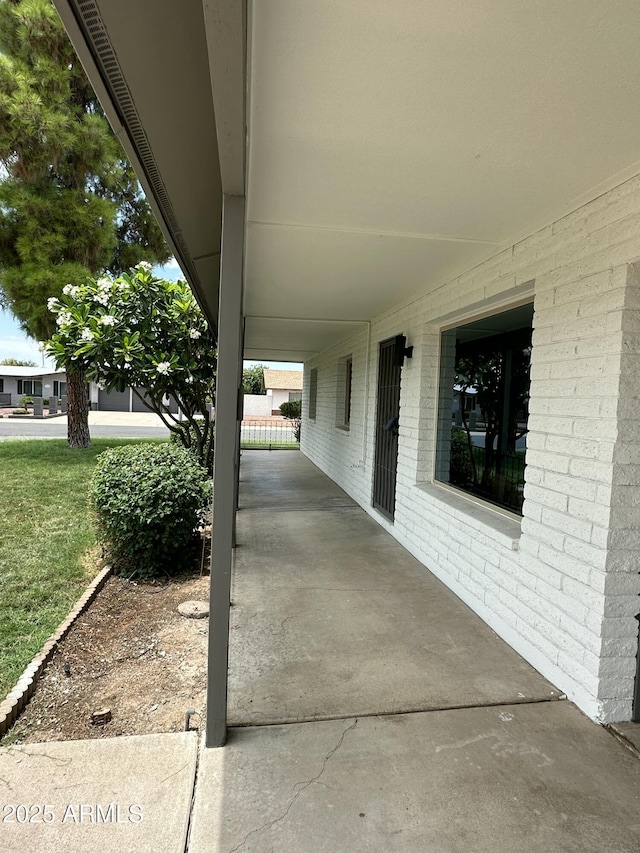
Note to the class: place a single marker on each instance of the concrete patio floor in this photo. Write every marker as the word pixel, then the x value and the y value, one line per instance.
pixel 332 618
pixel 373 711
pixel 370 709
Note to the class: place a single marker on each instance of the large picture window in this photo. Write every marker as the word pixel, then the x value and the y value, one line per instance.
pixel 483 412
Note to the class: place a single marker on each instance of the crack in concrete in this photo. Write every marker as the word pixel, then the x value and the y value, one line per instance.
pixel 60 762
pixel 269 824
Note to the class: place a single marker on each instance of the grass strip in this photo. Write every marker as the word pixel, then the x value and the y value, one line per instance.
pixel 46 541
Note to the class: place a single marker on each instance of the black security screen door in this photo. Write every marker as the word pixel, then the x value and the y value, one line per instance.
pixel 388 411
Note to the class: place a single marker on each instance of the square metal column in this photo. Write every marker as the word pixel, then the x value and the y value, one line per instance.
pixel 229 373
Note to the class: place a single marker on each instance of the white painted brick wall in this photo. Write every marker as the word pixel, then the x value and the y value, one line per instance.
pixel 561 586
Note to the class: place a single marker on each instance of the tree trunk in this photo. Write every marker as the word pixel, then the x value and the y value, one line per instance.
pixel 77 411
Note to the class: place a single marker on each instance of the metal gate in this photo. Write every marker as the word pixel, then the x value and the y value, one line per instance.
pixel 391 355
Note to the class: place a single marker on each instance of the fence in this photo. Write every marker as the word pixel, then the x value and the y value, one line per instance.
pixel 505 484
pixel 267 434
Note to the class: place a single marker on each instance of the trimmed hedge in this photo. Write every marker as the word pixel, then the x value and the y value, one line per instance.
pixel 147 498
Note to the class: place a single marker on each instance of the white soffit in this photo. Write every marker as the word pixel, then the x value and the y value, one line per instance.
pixel 395 145
pixel 293 339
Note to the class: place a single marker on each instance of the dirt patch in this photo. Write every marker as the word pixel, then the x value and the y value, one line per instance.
pixel 131 653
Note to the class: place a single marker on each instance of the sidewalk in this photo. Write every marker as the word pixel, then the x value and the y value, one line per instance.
pixel 371 711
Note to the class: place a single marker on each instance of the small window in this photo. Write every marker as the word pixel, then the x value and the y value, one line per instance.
pixel 484 407
pixel 313 392
pixel 1 384
pixel 343 396
pixel 55 388
pixel 25 386
pixel 294 396
pixel 37 388
pixel 347 391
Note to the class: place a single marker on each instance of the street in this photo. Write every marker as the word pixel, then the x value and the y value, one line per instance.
pixel 101 425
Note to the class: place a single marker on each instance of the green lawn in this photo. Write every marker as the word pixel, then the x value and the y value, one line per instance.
pixel 45 533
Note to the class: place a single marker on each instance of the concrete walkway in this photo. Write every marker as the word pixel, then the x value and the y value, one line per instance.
pixel 372 711
pixel 430 733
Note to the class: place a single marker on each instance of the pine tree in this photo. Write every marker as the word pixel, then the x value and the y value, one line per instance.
pixel 70 205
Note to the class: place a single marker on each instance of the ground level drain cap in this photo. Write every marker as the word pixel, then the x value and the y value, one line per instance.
pixel 194 609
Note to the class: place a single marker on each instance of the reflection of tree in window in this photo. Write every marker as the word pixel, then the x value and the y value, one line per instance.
pixel 492 369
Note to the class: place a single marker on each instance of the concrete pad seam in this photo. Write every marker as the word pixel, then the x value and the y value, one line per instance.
pixel 561 697
pixel 633 749
pixel 293 509
pixel 187 836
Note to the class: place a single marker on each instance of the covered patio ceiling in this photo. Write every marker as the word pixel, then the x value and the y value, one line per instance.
pixel 383 148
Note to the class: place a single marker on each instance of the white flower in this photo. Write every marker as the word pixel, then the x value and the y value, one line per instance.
pixel 163 367
pixel 101 297
pixel 189 380
pixel 104 283
pixel 144 265
pixel 195 334
pixel 108 320
pixel 64 318
pixel 87 335
pixel 71 290
pixel 101 386
pixel 52 303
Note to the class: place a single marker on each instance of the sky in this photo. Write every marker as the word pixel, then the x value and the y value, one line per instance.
pixel 15 344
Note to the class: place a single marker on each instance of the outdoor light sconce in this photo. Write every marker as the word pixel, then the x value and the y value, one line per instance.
pixel 402 350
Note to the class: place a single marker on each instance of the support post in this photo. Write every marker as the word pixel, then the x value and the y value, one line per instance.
pixel 224 463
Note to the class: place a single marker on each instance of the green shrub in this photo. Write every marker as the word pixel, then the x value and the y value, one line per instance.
pixel 26 401
pixel 460 466
pixel 292 411
pixel 147 498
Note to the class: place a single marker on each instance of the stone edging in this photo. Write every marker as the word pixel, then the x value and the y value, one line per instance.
pixel 37 417
pixel 17 698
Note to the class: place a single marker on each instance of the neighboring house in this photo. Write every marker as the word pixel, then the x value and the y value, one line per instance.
pixel 17 382
pixel 403 189
pixel 281 386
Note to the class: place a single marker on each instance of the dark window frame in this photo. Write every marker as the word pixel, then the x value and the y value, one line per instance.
pixel 313 393
pixel 344 390
pixel 348 380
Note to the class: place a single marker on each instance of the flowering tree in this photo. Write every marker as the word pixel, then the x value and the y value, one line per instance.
pixel 140 331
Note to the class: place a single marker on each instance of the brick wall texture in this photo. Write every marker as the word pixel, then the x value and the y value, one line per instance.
pixel 561 585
